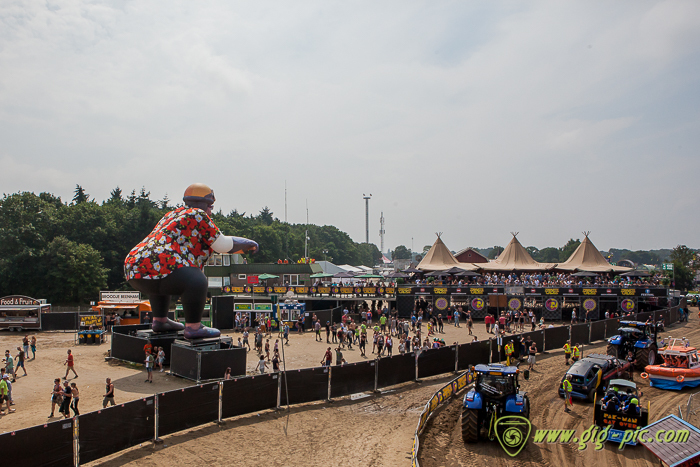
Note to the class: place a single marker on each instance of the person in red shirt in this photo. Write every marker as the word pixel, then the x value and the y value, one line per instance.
pixel 69 365
pixel 170 259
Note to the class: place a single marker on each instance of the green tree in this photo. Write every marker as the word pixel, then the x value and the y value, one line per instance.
pixel 115 196
pixel 683 255
pixel 72 272
pixel 568 249
pixel 547 255
pixel 495 251
pixel 265 216
pixel 401 252
pixel 80 195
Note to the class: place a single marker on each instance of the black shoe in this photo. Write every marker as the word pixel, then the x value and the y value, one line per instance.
pixel 167 326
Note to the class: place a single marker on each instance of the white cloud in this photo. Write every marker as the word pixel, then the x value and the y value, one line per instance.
pixel 471 119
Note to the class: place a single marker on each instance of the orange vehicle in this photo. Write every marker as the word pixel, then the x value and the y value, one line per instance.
pixel 681 367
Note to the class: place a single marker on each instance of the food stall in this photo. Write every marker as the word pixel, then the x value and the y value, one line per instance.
pixel 18 312
pixel 128 305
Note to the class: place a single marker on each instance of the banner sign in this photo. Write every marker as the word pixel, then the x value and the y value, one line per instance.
pixel 91 320
pixel 589 304
pixel 253 280
pixel 551 304
pixel 441 303
pixel 515 303
pixel 120 297
pixel 242 307
pixel 18 300
pixel 258 289
pixel 263 307
pixel 627 305
pixel 477 303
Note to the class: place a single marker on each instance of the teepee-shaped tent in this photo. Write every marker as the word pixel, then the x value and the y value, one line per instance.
pixel 515 258
pixel 440 258
pixel 588 258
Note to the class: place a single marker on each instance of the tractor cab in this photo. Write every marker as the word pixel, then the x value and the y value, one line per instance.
pixel 496 393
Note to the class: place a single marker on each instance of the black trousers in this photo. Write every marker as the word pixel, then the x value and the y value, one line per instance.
pixel 189 283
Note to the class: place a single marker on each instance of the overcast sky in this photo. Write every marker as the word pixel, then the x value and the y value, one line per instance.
pixel 469 118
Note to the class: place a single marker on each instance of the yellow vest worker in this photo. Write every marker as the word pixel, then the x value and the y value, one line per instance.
pixel 509 352
pixel 566 386
pixel 576 353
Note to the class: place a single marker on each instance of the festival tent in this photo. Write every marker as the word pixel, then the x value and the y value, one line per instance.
pixel 439 258
pixel 515 258
pixel 588 258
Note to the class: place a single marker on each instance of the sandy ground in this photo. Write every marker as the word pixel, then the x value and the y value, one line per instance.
pixel 442 445
pixel 361 430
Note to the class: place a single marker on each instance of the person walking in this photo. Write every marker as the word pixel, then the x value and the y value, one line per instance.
pixel 327 358
pixel 10 365
pixel 161 358
pixel 5 394
pixel 75 395
pixel 25 345
pixel 149 368
pixel 328 332
pixel 70 365
pixel 20 361
pixel 108 397
pixel 566 386
pixel 32 344
pixel 65 404
pixel 262 364
pixel 338 356
pixel 245 338
pixel 56 396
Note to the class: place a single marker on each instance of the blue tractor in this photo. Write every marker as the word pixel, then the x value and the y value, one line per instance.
pixel 495 394
pixel 637 337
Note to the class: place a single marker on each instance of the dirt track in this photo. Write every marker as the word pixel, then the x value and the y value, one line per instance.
pixel 442 445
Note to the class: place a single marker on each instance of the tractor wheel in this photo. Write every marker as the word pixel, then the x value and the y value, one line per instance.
pixel 470 425
pixel 526 410
pixel 645 357
pixel 612 351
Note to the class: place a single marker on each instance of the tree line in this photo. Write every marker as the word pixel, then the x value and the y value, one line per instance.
pixel 67 252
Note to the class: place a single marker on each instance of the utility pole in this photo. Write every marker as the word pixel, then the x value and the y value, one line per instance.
pixel 381 232
pixel 306 235
pixel 367 198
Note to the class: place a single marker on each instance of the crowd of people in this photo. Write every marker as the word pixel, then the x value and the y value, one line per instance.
pixel 547 279
pixel 9 371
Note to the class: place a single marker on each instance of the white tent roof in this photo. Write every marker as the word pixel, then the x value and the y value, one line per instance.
pixel 515 258
pixel 588 258
pixel 439 258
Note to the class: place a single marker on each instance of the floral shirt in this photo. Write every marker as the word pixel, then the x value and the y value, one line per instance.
pixel 182 238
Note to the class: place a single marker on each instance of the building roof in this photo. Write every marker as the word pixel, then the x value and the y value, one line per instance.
pixel 674 454
pixel 588 258
pixel 471 252
pixel 440 258
pixel 515 258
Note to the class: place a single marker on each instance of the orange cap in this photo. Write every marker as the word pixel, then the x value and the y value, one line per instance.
pixel 199 192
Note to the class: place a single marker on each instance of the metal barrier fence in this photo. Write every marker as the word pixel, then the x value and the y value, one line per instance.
pixel 444 394
pixel 104 432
